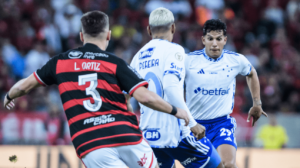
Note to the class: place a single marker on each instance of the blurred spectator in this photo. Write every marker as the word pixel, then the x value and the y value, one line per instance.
pixel 50 33
pixel 55 124
pixel 275 13
pixel 292 8
pixel 273 135
pixel 181 7
pixel 68 22
pixel 214 7
pixel 251 57
pixel 36 58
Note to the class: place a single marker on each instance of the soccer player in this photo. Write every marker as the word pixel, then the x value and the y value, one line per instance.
pixel 161 62
pixel 210 87
pixel 90 81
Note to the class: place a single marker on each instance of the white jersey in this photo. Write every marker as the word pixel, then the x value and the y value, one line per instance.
pixel 210 83
pixel 156 59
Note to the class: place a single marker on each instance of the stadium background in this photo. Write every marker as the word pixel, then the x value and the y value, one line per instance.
pixel 267 32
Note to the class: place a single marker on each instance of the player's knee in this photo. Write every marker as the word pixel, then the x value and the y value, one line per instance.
pixel 229 164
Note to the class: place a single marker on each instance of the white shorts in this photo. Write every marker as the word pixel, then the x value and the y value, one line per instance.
pixel 132 156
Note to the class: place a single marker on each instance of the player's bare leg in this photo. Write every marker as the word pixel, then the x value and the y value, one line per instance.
pixel 221 165
pixel 228 155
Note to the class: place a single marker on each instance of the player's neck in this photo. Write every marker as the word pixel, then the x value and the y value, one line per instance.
pixel 162 36
pixel 102 44
pixel 214 56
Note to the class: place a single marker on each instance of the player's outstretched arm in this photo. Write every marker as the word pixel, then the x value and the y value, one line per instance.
pixel 21 88
pixel 256 110
pixel 152 100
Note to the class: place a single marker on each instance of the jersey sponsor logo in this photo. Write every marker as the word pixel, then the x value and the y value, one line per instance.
pixel 149 64
pixel 152 134
pixel 178 56
pixel 147 53
pixel 173 66
pixel 217 92
pixel 188 161
pixel 91 55
pixel 99 120
pixel 201 72
pixel 143 160
pixel 75 54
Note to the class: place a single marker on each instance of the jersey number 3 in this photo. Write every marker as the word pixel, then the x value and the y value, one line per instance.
pixel 91 90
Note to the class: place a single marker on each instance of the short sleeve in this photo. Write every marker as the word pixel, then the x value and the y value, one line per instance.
pixel 46 75
pixel 129 78
pixel 245 66
pixel 175 62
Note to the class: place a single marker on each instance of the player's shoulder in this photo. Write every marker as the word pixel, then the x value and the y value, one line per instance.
pixel 234 56
pixel 231 53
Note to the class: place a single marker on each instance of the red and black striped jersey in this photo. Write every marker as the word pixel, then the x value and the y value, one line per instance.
pixel 90 83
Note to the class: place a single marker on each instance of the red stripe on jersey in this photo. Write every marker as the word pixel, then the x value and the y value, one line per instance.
pixel 104 126
pixel 75 102
pixel 38 79
pixel 151 160
pixel 121 105
pixel 145 83
pixel 102 84
pixel 113 136
pixel 95 114
pixel 80 65
pixel 111 145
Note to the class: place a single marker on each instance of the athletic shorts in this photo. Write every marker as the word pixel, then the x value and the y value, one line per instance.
pixel 140 156
pixel 190 153
pixel 220 130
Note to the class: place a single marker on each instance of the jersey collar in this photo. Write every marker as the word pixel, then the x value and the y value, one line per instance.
pixel 211 59
pixel 90 45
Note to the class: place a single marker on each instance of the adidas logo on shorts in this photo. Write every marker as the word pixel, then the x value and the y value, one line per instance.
pixel 228 139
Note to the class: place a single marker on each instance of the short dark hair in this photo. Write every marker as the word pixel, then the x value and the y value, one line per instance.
pixel 213 25
pixel 94 22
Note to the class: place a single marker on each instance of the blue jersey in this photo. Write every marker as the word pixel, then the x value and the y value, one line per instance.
pixel 210 83
pixel 155 60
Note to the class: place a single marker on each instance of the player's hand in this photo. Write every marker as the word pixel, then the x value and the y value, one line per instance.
pixel 182 114
pixel 8 104
pixel 198 131
pixel 255 112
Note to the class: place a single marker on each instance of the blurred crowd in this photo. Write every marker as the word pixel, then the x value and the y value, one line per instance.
pixel 267 32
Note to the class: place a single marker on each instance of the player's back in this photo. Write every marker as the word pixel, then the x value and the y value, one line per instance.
pixel 90 83
pixel 152 62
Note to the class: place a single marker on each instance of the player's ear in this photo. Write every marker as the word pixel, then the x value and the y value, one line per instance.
pixel 225 39
pixel 81 37
pixel 108 35
pixel 173 28
pixel 149 31
pixel 203 40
